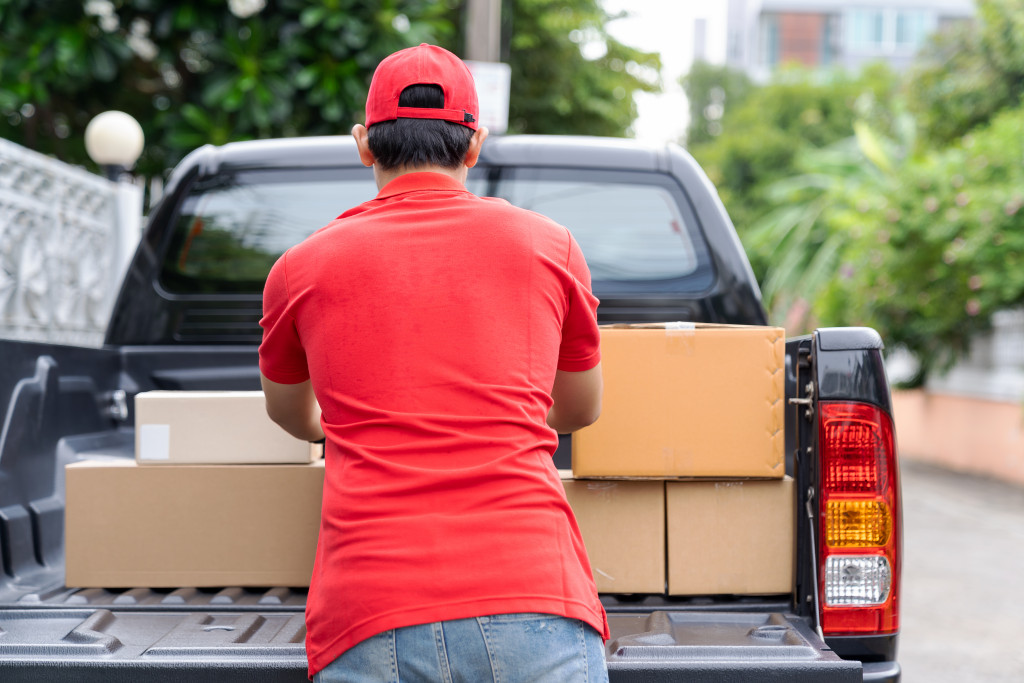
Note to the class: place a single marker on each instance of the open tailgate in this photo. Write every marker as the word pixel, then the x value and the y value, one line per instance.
pixel 721 646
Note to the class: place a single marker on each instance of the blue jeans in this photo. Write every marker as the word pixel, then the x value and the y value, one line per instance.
pixel 503 648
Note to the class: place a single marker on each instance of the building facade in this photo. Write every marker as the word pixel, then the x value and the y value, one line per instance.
pixel 766 34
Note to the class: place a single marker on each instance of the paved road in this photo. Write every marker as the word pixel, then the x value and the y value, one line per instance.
pixel 963 597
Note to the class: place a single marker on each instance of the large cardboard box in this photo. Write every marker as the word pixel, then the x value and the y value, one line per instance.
pixel 623 527
pixel 191 525
pixel 212 427
pixel 687 400
pixel 730 537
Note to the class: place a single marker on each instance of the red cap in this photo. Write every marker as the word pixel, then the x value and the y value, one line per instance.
pixel 423 65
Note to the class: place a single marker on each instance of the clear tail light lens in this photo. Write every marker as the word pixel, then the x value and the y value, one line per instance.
pixel 857 580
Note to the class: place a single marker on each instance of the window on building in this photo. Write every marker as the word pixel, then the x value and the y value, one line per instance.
pixel 911 28
pixel 831 40
pixel 887 31
pixel 770 39
pixel 867 28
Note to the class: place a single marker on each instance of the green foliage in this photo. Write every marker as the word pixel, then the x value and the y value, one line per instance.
pixel 711 90
pixel 1001 32
pixel 555 89
pixel 801 242
pixel 970 72
pixel 763 138
pixel 936 249
pixel 193 72
pixel 892 203
pixel 921 245
pixel 955 85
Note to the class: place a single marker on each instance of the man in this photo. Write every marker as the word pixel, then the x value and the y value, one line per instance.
pixel 446 337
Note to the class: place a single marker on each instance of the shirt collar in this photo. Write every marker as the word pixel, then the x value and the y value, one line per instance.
pixel 419 181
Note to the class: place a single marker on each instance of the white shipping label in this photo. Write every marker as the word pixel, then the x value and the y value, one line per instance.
pixel 154 442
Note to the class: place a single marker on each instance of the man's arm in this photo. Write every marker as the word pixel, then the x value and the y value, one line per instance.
pixel 577 399
pixel 294 408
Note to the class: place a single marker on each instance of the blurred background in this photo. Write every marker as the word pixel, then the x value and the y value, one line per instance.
pixel 871 155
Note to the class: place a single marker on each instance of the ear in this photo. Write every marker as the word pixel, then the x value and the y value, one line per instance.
pixel 475 144
pixel 362 144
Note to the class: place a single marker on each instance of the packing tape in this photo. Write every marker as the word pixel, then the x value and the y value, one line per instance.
pixel 681 337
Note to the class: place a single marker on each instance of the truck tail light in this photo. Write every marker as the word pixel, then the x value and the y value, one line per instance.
pixel 859 530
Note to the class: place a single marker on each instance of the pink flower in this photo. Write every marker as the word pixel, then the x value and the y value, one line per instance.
pixel 973 307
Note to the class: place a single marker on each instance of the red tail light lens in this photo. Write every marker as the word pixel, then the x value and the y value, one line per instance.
pixel 859 531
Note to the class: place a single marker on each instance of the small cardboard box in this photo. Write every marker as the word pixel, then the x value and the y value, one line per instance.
pixel 731 537
pixel 191 525
pixel 212 427
pixel 623 527
pixel 685 400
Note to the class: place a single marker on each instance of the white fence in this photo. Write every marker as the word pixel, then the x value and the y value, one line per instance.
pixel 994 368
pixel 66 236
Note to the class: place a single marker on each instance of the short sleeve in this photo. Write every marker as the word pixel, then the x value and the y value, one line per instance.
pixel 282 357
pixel 581 341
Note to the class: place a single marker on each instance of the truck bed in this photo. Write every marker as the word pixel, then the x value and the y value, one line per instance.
pixel 61 404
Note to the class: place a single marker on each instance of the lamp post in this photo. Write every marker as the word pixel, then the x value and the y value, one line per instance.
pixel 114 140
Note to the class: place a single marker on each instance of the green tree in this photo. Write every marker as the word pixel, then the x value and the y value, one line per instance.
pixel 922 244
pixel 935 253
pixel 558 90
pixel 806 236
pixel 195 72
pixel 711 89
pixel 763 138
pixel 954 86
pixel 971 71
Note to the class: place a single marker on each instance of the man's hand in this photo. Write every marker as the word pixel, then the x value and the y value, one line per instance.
pixel 577 399
pixel 294 408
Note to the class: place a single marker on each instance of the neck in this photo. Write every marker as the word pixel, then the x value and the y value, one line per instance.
pixel 383 177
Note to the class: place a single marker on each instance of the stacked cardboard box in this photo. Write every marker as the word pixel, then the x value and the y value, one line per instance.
pixel 212 428
pixel 218 495
pixel 679 487
pixel 692 426
pixel 623 527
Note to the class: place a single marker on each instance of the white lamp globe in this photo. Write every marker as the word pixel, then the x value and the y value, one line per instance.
pixel 114 138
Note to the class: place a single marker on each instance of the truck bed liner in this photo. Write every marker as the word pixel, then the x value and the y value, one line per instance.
pixel 232 645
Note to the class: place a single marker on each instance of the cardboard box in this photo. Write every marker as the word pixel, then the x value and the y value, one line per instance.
pixel 191 525
pixel 623 527
pixel 212 427
pixel 731 537
pixel 687 400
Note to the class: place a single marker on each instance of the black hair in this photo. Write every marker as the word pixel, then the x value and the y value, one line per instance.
pixel 414 143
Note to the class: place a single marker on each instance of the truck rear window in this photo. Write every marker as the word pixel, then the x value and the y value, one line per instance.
pixel 635 229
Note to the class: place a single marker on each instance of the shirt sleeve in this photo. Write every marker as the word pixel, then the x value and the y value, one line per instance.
pixel 581 341
pixel 282 357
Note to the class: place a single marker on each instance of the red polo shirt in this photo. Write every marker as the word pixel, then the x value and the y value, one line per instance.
pixel 431 322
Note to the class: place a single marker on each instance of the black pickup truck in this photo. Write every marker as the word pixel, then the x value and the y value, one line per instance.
pixel 661 248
